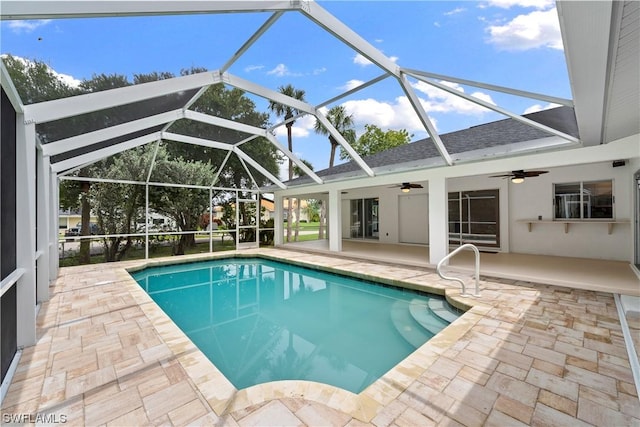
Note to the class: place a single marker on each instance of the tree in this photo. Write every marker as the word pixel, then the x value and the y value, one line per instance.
pixel 119 207
pixel 230 104
pixel 374 140
pixel 90 122
pixel 35 81
pixel 313 210
pixel 343 123
pixel 183 205
pixel 288 113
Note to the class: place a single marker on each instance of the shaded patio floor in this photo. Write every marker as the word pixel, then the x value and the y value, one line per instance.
pixel 581 273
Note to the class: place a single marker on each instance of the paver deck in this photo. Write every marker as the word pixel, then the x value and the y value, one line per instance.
pixel 523 354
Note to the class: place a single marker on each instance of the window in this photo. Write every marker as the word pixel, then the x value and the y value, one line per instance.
pixel 584 200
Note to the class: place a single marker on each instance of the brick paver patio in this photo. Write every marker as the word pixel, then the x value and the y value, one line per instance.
pixel 523 354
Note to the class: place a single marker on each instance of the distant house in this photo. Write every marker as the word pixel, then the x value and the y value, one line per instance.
pixel 69 218
pixel 268 210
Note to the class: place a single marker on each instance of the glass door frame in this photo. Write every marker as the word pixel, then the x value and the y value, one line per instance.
pixel 364 219
pixel 459 236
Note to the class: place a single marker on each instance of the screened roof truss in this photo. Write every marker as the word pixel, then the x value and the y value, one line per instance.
pixel 145 129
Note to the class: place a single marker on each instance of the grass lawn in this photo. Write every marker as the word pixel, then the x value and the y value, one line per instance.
pixel 304 225
pixel 307 237
pixel 155 251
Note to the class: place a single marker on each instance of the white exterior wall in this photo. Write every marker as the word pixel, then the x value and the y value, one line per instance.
pixel 585 240
pixel 528 200
pixel 387 209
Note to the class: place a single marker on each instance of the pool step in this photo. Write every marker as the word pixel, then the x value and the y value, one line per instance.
pixel 441 309
pixel 423 315
pixel 407 326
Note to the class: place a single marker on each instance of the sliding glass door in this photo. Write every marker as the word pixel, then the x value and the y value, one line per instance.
pixel 474 218
pixel 364 219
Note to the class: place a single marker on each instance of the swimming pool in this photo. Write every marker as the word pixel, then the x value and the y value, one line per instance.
pixel 259 320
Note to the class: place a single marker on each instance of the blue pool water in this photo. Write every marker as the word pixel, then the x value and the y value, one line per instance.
pixel 259 320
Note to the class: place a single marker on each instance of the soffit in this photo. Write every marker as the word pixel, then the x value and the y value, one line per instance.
pixel 623 104
pixel 601 40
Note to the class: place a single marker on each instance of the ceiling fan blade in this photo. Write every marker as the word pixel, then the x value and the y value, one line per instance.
pixel 534 173
pixel 501 176
pixel 415 186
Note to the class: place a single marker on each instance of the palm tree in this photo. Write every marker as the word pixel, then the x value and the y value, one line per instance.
pixel 288 113
pixel 343 123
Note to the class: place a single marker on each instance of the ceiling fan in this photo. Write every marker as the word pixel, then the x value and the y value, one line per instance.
pixel 518 176
pixel 405 187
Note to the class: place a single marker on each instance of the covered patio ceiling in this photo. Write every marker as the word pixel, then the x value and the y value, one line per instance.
pixel 601 60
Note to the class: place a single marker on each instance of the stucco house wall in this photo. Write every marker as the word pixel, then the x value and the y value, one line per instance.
pixel 520 202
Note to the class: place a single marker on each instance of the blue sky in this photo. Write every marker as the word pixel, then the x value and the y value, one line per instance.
pixel 513 43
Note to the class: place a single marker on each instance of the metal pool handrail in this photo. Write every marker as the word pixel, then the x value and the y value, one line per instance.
pixel 456 279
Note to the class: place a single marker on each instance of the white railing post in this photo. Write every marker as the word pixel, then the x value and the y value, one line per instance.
pixel 457 279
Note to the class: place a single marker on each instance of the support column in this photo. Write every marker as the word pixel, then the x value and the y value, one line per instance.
pixel 146 221
pixel 45 211
pixel 278 219
pixel 438 220
pixel 334 221
pixel 210 220
pixel 54 227
pixel 26 226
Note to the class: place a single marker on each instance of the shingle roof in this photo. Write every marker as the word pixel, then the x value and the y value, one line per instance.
pixel 502 132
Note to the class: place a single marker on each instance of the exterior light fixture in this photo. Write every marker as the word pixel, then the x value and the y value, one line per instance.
pixel 517 180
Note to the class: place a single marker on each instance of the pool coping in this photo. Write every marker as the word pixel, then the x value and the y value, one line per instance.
pixel 224 398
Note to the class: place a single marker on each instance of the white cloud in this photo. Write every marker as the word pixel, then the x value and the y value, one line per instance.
pixel 537 107
pixel 507 4
pixel 399 114
pixel 361 60
pixel 351 84
pixel 282 70
pixel 444 102
pixel 70 80
pixel 27 26
pixel 534 30
pixel 396 115
pixel 302 128
pixel 66 78
pixel 251 68
pixel 455 11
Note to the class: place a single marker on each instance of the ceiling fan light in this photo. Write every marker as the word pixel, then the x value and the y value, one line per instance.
pixel 405 189
pixel 517 180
